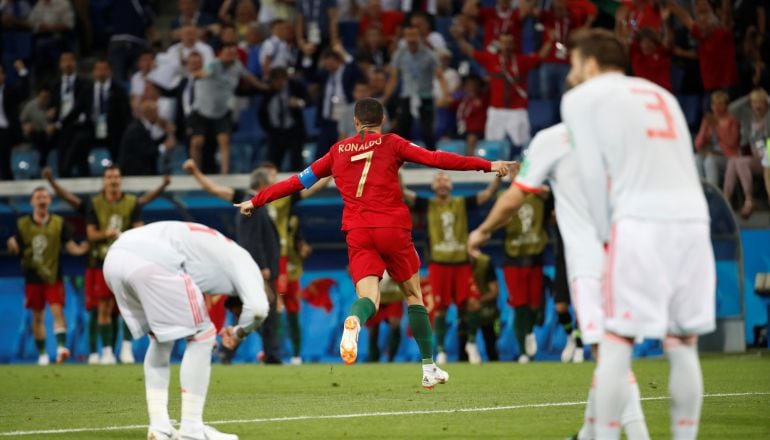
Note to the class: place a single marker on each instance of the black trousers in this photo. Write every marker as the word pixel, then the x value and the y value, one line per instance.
pixel 283 142
pixel 405 120
pixel 6 144
pixel 328 134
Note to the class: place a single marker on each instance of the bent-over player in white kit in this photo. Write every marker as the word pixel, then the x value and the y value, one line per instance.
pixel 549 159
pixel 158 273
pixel 634 154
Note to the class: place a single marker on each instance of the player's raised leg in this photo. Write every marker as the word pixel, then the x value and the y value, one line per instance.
pixel 368 291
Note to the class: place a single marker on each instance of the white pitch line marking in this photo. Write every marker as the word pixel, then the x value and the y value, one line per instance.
pixel 358 415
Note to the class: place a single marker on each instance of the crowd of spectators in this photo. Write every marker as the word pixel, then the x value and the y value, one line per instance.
pixel 75 76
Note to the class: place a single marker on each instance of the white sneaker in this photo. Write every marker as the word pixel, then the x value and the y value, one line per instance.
pixel 578 357
pixel 441 358
pixel 569 348
pixel 208 433
pixel 127 353
pixel 349 342
pixel 43 360
pixel 530 345
pixel 295 360
pixel 108 358
pixel 474 357
pixel 432 375
pixel 62 354
pixel 523 359
pixel 93 359
pixel 168 434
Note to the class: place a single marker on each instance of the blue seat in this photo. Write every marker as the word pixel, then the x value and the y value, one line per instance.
pixel 309 115
pixel 98 160
pixel 52 161
pixel 308 153
pixel 25 163
pixel 249 131
pixel 541 114
pixel 240 158
pixel 493 150
pixel 456 146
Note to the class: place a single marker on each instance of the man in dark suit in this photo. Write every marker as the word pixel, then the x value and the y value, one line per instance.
pixel 66 94
pixel 145 139
pixel 102 117
pixel 280 115
pixel 11 98
pixel 337 78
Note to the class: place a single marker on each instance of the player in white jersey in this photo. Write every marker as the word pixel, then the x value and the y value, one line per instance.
pixel 634 154
pixel 158 273
pixel 549 159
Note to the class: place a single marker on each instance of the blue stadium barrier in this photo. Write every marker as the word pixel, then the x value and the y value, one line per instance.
pixel 25 163
pixel 456 146
pixel 98 160
pixel 493 150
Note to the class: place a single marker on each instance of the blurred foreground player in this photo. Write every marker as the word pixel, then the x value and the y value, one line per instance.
pixel 660 281
pixel 39 239
pixel 158 273
pixel 376 222
pixel 549 158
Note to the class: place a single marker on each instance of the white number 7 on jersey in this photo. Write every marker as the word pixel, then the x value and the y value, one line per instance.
pixel 368 156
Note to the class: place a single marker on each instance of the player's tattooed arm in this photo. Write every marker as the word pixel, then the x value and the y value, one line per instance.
pixel 74 201
pixel 154 194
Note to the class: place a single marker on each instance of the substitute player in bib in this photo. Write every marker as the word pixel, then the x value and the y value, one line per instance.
pixel 376 222
pixel 158 272
pixel 449 271
pixel 660 275
pixel 39 239
pixel 549 158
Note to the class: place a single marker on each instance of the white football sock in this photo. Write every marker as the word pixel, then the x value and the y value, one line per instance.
pixel 633 416
pixel 587 430
pixel 156 380
pixel 685 384
pixel 612 389
pixel 194 376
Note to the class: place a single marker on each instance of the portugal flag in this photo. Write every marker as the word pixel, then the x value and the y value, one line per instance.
pixel 317 293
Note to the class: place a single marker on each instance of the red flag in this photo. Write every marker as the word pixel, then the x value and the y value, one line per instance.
pixel 317 293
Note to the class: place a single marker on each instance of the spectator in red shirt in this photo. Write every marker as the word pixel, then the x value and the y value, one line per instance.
pixel 496 21
pixel 651 58
pixel 583 12
pixel 507 115
pixel 388 21
pixel 634 15
pixel 559 23
pixel 716 48
pixel 470 110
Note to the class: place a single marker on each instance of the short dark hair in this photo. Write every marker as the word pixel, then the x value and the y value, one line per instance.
pixel 603 46
pixel 110 168
pixel 41 188
pixel 369 112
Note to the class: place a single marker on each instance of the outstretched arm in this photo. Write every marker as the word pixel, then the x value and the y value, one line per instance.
pixel 208 185
pixel 61 192
pixel 76 249
pixel 316 188
pixel 487 193
pixel 307 178
pixel 450 161
pixel 501 212
pixel 154 194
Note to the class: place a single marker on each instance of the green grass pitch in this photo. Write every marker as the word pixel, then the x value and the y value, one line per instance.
pixel 497 400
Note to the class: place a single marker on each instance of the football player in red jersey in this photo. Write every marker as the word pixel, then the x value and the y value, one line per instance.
pixel 376 222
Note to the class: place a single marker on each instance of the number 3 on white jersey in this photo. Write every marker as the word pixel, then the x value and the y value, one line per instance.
pixel 368 156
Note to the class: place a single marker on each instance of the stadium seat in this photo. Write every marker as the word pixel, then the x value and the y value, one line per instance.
pixel 541 114
pixel 25 163
pixel 456 146
pixel 98 160
pixel 309 114
pixel 308 153
pixel 493 150
pixel 240 158
pixel 52 161
pixel 249 131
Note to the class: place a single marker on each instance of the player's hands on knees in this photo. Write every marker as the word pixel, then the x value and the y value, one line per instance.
pixel 503 167
pixel 246 207
pixel 229 339
pixel 476 239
